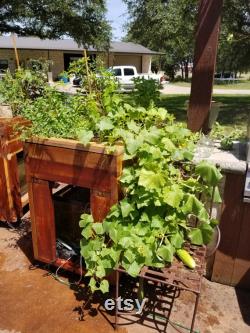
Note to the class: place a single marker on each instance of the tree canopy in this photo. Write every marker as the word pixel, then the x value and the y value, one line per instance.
pixel 166 26
pixel 82 20
pixel 234 47
pixel 169 26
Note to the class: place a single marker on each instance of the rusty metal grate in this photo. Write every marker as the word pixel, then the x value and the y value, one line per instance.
pixel 176 275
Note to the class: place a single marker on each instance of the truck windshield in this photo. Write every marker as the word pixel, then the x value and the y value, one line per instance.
pixel 117 71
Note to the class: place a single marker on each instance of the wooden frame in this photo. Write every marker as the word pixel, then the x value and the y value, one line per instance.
pixel 232 259
pixel 11 202
pixel 70 162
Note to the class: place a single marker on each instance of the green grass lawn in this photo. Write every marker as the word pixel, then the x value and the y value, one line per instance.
pixel 245 85
pixel 234 112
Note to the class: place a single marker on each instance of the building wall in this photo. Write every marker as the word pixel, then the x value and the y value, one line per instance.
pixel 141 62
pixel 10 56
pixel 146 63
pixel 130 60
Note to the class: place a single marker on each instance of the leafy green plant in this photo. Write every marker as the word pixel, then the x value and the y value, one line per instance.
pixel 40 65
pixel 53 115
pixel 163 193
pixel 225 136
pixel 21 88
pixel 145 92
pixel 161 190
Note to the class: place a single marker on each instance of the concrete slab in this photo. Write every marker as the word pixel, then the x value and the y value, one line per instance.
pixel 33 301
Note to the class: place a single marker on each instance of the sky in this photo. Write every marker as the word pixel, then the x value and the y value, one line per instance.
pixel 117 16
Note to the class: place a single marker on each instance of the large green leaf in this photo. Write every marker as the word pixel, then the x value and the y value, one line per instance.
pixel 195 236
pixel 168 144
pixel 126 207
pixel 151 180
pixel 173 195
pixel 201 235
pixel 87 232
pixel 134 269
pixel 125 242
pixel 157 222
pixel 133 127
pixel 92 285
pixel 86 219
pixel 100 271
pixel 209 173
pixel 105 124
pixel 154 135
pixel 166 252
pixel 177 240
pixel 129 255
pixel 85 136
pixel 194 206
pixel 113 234
pixel 104 286
pixel 98 228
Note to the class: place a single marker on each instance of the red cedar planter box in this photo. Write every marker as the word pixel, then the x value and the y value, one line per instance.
pixel 10 193
pixel 232 259
pixel 67 161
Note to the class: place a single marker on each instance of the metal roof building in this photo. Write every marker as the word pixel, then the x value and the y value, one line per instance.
pixel 62 51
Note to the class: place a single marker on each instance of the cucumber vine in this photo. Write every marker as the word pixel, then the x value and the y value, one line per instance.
pixel 163 192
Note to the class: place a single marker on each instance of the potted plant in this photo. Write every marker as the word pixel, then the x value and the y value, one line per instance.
pixel 15 91
pixel 162 192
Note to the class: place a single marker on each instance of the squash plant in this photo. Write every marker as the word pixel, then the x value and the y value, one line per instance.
pixel 20 88
pixel 163 193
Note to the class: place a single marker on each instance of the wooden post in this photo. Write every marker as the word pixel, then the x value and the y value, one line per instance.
pixel 10 145
pixel 15 49
pixel 87 69
pixel 204 63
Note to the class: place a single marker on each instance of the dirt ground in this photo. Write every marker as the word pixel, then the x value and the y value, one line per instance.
pixel 32 301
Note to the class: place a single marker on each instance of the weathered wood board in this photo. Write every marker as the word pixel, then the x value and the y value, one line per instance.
pixel 10 192
pixel 70 162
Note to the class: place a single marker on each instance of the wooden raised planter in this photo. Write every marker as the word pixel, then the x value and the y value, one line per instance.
pixel 11 203
pixel 70 162
pixel 232 259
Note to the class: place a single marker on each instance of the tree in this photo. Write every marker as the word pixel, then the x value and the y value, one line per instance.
pixel 167 26
pixel 82 20
pixel 234 50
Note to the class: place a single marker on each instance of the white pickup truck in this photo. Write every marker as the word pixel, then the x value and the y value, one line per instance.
pixel 126 75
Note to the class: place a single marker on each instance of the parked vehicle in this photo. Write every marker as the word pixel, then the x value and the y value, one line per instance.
pixel 226 77
pixel 126 75
pixel 77 81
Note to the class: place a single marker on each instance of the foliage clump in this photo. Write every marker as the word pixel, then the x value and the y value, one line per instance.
pixel 22 87
pixel 165 197
pixel 146 91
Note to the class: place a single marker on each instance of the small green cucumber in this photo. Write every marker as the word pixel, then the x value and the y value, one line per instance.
pixel 186 258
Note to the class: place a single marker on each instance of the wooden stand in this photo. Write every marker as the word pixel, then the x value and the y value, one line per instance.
pixel 232 259
pixel 69 162
pixel 10 145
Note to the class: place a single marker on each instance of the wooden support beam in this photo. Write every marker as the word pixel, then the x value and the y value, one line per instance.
pixel 204 63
